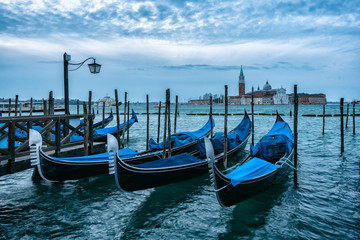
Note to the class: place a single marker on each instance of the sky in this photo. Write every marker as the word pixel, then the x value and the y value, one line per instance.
pixel 191 47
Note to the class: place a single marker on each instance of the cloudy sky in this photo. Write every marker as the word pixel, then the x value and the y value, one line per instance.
pixel 192 47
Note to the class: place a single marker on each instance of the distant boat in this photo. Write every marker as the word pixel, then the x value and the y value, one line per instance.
pixel 157 106
pixel 108 101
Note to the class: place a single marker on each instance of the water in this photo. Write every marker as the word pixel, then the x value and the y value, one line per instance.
pixel 324 205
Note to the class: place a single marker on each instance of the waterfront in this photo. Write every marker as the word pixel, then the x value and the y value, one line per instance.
pixel 324 205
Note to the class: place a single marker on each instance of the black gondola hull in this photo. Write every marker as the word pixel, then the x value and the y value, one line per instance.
pixel 131 178
pixel 54 170
pixel 57 170
pixel 229 195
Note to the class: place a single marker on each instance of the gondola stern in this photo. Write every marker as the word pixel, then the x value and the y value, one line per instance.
pixel 112 150
pixel 210 156
pixel 35 143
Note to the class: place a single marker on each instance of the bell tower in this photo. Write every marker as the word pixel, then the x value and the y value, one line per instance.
pixel 241 83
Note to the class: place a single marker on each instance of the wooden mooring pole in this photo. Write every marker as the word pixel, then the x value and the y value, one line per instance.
pixel 51 103
pixel 16 104
pixel 169 121
pixel 176 112
pixel 11 146
pixel 57 138
pixel 323 129
pixel 89 103
pixel 91 126
pixel 77 106
pixel 342 123
pixel 252 116
pixel 128 118
pixel 159 118
pixel 210 116
pixel 103 115
pixel 225 126
pixel 31 106
pixel 86 130
pixel 347 115
pixel 45 107
pixel 165 125
pixel 353 118
pixel 124 127
pixel 117 117
pixel 147 122
pixel 296 110
pixel 9 107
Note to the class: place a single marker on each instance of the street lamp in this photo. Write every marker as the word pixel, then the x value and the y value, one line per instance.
pixel 93 67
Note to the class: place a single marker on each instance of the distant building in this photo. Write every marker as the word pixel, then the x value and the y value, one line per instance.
pixel 265 96
pixel 305 98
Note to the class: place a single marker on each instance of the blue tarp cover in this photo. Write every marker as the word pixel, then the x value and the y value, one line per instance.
pixel 254 168
pixel 123 153
pixel 111 130
pixel 182 138
pixel 278 141
pixel 178 160
pixel 4 143
pixel 237 136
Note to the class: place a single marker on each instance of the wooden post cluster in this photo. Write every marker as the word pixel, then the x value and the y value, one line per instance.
pixel 147 122
pixel 342 123
pixel 252 116
pixel 296 109
pixel 225 126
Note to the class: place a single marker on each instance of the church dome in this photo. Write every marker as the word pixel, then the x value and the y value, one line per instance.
pixel 267 86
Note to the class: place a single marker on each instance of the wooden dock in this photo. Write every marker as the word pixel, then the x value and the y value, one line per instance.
pixel 56 132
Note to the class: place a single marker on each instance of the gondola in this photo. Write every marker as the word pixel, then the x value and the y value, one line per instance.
pixel 269 161
pixel 60 169
pixel 133 176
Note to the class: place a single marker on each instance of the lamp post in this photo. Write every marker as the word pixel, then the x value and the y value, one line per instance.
pixel 93 67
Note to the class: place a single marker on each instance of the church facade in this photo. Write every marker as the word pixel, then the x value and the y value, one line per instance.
pixel 269 96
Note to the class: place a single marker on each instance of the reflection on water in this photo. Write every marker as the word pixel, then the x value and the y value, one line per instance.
pixel 324 205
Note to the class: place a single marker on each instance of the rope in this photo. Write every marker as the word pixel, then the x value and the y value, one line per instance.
pixel 217 190
pixel 154 153
pixel 288 162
